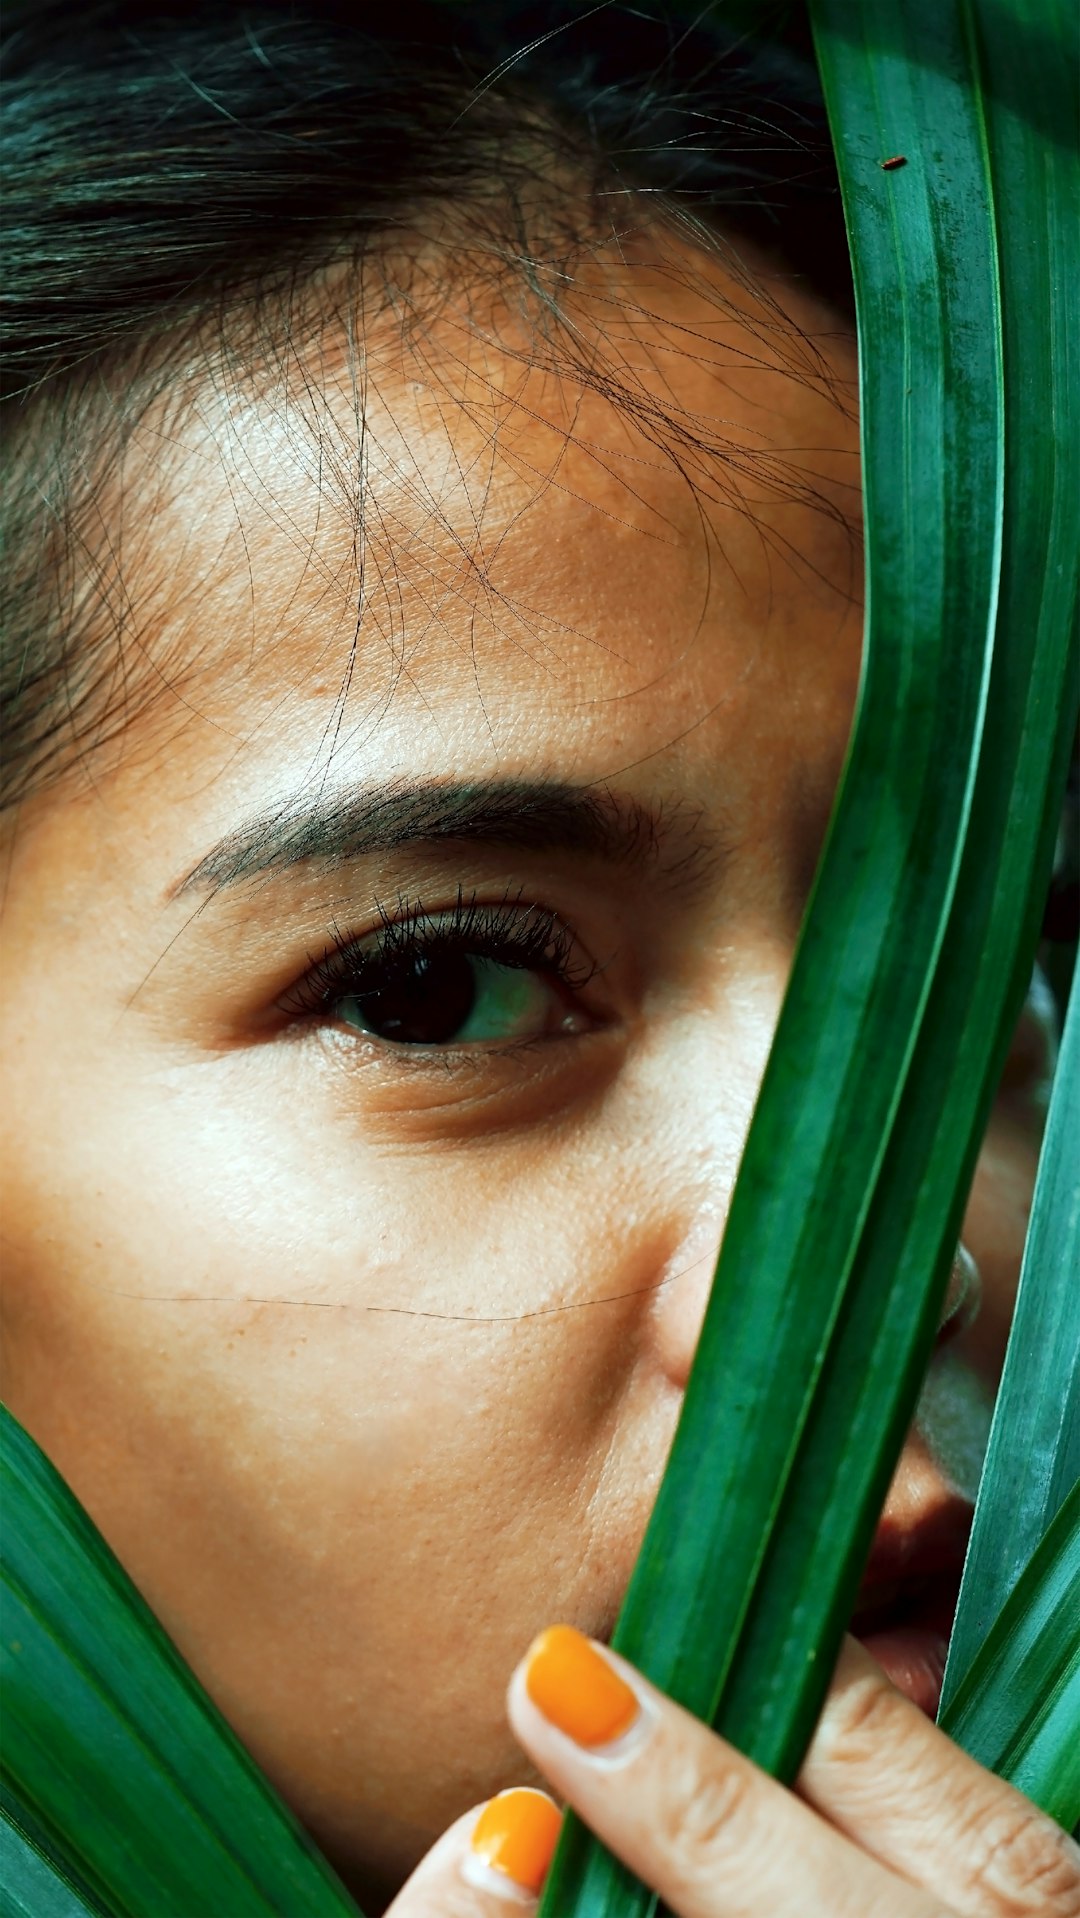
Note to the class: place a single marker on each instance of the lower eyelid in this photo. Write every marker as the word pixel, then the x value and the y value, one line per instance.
pixel 447 1101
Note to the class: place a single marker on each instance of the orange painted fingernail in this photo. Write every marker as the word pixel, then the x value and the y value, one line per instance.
pixel 574 1687
pixel 516 1834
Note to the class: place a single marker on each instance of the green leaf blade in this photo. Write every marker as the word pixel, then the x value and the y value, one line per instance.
pixel 917 1210
pixel 874 928
pixel 156 1807
pixel 1031 59
pixel 1017 1710
pixel 32 1884
pixel 1033 1456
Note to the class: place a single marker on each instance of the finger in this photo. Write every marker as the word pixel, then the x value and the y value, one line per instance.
pixel 698 1822
pixel 882 1772
pixel 490 1864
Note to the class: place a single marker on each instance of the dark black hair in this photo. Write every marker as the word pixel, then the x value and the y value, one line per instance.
pixel 166 165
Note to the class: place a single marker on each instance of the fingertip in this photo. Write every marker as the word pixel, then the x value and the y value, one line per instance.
pixel 494 1857
pixel 511 1843
pixel 600 1707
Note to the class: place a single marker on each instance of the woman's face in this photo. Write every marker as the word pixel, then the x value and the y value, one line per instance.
pixel 357 1302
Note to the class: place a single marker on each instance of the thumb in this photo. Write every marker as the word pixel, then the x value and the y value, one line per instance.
pixel 491 1863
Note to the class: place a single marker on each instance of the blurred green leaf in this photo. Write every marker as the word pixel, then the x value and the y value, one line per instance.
pixel 129 1780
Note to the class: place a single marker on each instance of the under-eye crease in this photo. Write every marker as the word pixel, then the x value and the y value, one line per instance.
pixel 477 974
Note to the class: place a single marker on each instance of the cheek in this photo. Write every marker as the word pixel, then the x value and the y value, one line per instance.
pixel 281 1375
pixel 359 1420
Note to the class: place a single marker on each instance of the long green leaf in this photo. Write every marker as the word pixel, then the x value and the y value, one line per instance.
pixel 1017 1710
pixel 129 1781
pixel 741 1628
pixel 917 1209
pixel 1033 1457
pixel 932 477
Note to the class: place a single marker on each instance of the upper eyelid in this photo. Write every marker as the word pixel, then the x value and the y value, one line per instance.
pixel 463 918
pixel 329 970
pixel 464 926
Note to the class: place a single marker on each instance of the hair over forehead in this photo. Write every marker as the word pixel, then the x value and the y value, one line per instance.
pixel 181 185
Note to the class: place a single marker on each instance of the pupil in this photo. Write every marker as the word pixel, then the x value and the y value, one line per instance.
pixel 423 1002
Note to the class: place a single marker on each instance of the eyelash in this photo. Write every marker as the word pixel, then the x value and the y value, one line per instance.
pixel 530 937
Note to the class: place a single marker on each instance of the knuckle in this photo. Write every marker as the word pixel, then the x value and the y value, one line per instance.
pixel 859 1720
pixel 706 1828
pixel 1020 1864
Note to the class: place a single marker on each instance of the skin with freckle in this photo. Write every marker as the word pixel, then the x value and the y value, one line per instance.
pixel 367 1364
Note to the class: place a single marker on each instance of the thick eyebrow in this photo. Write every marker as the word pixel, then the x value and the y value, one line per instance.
pixel 326 833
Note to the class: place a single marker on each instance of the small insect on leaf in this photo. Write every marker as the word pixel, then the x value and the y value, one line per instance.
pixel 889 166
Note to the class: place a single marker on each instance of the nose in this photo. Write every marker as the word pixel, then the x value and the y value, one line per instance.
pixel 681 1296
pixel 683 1293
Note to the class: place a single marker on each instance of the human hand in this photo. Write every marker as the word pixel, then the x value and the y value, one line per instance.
pixel 888 1819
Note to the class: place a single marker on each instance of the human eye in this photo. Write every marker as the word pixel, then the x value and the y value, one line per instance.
pixel 474 975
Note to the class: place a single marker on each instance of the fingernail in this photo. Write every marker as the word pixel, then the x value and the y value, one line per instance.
pixel 577 1689
pixel 513 1842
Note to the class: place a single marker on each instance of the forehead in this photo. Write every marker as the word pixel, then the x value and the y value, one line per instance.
pixel 457 520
